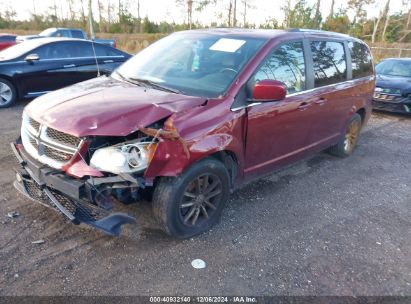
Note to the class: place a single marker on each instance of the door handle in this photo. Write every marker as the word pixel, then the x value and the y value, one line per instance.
pixel 320 101
pixel 69 66
pixel 108 61
pixel 304 106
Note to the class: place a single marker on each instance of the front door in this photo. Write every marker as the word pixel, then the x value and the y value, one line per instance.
pixel 55 69
pixel 278 132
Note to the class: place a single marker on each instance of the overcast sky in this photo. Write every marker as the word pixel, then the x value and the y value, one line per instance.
pixel 158 10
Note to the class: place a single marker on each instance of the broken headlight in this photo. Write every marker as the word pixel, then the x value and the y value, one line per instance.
pixel 123 158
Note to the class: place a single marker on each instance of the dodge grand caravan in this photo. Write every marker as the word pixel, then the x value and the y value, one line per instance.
pixel 189 119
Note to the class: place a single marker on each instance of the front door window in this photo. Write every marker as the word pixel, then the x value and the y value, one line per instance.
pixel 285 64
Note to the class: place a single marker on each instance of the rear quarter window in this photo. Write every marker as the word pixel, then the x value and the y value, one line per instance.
pixel 328 62
pixel 361 60
pixel 101 50
pixel 104 51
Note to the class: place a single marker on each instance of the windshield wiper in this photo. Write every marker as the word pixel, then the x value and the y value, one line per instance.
pixel 123 77
pixel 155 85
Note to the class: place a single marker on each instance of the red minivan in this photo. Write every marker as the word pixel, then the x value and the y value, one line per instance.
pixel 190 119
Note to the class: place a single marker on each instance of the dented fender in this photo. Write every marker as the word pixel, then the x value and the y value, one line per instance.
pixel 225 134
pixel 170 158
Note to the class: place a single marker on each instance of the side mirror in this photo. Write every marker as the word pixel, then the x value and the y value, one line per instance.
pixel 269 90
pixel 32 57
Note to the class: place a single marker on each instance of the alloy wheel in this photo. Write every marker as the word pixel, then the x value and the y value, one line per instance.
pixel 6 93
pixel 351 136
pixel 200 199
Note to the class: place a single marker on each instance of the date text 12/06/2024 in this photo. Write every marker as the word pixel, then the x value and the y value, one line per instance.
pixel 204 299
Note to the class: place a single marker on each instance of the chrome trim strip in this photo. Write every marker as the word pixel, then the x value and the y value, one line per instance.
pixel 38 93
pixel 72 58
pixel 246 106
pixel 75 58
pixel 351 81
pixel 45 139
pixel 42 141
pixel 58 147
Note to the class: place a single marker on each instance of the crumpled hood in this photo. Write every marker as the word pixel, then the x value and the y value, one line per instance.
pixel 107 107
pixel 394 82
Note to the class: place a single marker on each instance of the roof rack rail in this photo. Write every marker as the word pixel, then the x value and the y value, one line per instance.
pixel 314 31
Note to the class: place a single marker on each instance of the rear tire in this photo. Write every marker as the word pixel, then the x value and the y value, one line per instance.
pixel 349 139
pixel 8 93
pixel 191 203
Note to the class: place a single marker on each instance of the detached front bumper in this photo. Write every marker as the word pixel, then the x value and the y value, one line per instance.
pixel 53 189
pixel 392 106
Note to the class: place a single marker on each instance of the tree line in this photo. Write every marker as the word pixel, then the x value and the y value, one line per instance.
pixel 124 16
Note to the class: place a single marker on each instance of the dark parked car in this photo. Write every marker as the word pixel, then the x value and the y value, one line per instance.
pixel 7 40
pixel 393 87
pixel 35 67
pixel 65 33
pixel 193 117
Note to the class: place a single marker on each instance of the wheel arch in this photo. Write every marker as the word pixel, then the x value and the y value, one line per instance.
pixel 362 112
pixel 226 157
pixel 230 161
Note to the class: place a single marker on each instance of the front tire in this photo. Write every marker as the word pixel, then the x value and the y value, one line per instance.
pixel 8 93
pixel 349 139
pixel 191 203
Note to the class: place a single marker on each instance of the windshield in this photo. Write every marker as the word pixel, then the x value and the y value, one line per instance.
pixel 47 32
pixel 195 64
pixel 394 68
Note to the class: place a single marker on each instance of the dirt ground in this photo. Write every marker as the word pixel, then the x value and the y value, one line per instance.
pixel 325 226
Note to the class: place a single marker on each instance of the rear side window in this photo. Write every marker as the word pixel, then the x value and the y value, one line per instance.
pixel 286 64
pixel 61 33
pixel 65 33
pixel 86 49
pixel 329 62
pixel 7 38
pixel 361 60
pixel 77 34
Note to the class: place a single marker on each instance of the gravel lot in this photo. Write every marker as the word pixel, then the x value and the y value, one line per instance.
pixel 325 226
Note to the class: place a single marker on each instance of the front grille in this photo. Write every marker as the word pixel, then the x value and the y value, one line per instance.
pixel 47 145
pixel 34 124
pixel 81 210
pixel 391 107
pixel 63 138
pixel 57 155
pixel 36 193
pixel 389 98
pixel 65 201
pixel 33 142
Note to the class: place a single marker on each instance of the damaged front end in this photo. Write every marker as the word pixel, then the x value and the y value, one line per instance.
pixel 85 178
